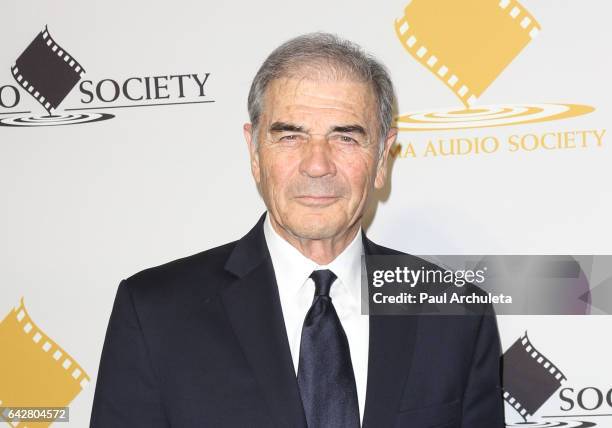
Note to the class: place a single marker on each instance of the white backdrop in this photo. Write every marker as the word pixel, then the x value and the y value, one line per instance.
pixel 86 205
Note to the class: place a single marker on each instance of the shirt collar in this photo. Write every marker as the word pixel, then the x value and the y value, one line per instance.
pixel 296 268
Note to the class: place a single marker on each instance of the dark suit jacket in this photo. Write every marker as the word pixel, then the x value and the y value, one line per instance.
pixel 201 342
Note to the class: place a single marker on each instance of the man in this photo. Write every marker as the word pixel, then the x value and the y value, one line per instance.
pixel 266 331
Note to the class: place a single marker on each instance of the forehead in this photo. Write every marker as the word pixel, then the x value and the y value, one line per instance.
pixel 319 100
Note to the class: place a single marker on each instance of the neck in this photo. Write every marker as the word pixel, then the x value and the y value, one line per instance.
pixel 322 251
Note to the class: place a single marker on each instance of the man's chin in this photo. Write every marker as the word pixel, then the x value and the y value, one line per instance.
pixel 315 226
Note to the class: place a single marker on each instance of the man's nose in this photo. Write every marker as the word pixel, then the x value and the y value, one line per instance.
pixel 317 158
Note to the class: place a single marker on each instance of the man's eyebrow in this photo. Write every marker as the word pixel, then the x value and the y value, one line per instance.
pixel 283 126
pixel 349 129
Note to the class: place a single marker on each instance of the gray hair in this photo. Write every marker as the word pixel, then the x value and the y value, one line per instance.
pixel 325 52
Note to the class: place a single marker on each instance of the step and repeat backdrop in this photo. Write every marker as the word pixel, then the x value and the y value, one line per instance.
pixel 121 148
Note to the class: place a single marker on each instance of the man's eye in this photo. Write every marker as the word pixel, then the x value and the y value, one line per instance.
pixel 345 139
pixel 290 138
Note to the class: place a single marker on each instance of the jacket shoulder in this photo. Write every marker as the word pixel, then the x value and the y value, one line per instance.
pixel 380 250
pixel 202 272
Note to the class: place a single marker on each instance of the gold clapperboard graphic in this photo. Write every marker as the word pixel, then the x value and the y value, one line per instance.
pixel 467 44
pixel 34 370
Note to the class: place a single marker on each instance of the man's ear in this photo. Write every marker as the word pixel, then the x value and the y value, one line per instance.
pixel 250 138
pixel 381 170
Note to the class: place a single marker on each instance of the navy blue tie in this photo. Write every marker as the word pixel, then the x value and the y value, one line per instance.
pixel 325 372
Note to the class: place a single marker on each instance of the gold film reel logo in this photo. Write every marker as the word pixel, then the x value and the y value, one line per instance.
pixel 467 44
pixel 34 370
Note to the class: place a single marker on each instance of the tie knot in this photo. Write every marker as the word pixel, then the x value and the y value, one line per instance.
pixel 323 279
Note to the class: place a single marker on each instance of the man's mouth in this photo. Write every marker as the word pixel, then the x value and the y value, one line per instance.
pixel 317 200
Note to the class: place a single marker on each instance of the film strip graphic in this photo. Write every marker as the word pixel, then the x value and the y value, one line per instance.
pixel 35 370
pixel 31 89
pixel 443 36
pixel 548 378
pixel 46 71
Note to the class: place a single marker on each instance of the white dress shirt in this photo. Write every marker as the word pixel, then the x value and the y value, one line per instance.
pixel 296 291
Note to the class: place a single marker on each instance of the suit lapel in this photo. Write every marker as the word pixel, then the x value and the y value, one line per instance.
pixel 392 341
pixel 253 307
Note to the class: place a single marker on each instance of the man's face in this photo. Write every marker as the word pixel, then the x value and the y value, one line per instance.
pixel 317 154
